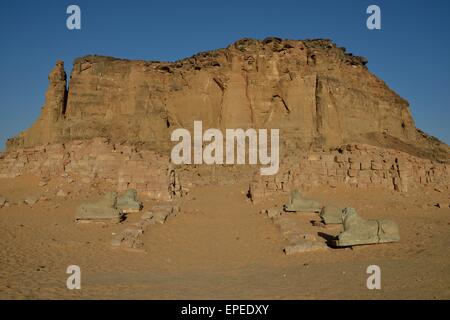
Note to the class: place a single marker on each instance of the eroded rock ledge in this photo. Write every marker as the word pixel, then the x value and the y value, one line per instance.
pixel 315 92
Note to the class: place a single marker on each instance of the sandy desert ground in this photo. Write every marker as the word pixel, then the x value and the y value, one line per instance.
pixel 220 247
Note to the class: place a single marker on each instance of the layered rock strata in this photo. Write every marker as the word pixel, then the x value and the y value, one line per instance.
pixel 315 92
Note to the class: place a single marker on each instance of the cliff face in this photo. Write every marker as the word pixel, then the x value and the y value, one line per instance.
pixel 314 92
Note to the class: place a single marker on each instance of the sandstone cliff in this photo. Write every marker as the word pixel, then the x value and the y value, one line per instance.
pixel 316 93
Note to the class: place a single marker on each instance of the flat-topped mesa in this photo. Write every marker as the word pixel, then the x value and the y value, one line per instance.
pixel 313 91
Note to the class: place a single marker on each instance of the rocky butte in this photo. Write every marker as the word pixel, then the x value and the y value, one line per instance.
pixel 339 123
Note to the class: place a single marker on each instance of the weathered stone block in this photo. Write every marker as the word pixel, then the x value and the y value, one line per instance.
pixel 306 246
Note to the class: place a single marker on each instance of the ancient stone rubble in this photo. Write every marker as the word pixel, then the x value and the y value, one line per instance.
pixel 304 246
pixel 298 242
pixel 339 123
pixel 356 230
pixel 160 213
pixel 354 166
pixel 97 161
pixel 131 237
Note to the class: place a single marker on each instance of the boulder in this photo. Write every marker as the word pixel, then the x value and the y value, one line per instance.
pixel 299 204
pixel 102 210
pixel 358 231
pixel 128 202
pixel 331 215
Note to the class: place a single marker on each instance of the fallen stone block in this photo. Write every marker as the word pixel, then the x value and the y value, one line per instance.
pixel 147 215
pixel 143 224
pixel 304 246
pixel 31 200
pixel 102 210
pixel 297 238
pixel 172 210
pixel 117 241
pixel 358 231
pixel 299 204
pixel 160 216
pixel 130 238
pixel 128 202
pixel 331 215
pixel 442 205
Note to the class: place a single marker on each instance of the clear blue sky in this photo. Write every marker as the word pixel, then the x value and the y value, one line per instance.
pixel 411 52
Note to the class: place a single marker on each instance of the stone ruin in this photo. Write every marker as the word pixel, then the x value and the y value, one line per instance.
pixel 109 127
pixel 339 123
pixel 353 166
pixel 355 230
pixel 97 161
pixel 131 237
